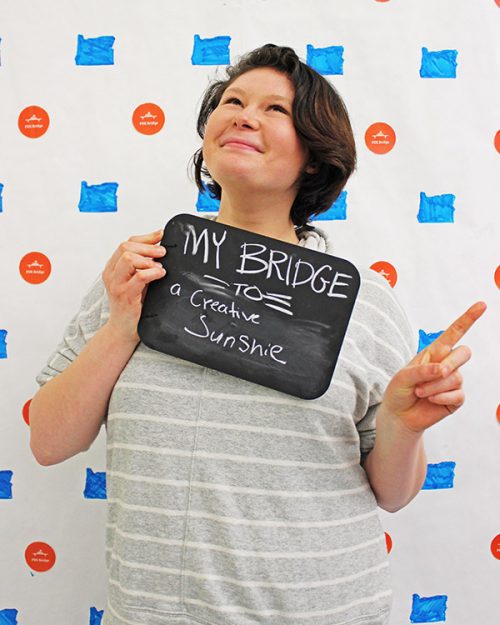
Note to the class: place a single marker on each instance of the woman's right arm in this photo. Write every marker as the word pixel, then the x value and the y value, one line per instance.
pixel 66 414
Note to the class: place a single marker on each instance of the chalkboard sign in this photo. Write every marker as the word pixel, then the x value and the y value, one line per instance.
pixel 248 305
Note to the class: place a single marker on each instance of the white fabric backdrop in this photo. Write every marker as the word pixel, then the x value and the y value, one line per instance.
pixel 445 129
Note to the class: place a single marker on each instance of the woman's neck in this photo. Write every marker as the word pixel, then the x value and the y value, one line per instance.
pixel 262 215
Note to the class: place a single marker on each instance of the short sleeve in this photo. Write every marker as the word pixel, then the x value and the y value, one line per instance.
pixel 386 342
pixel 93 314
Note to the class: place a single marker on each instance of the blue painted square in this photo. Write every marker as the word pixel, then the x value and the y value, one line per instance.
pixel 337 211
pixel 326 61
pixel 439 476
pixel 98 198
pixel 95 51
pixel 206 203
pixel 95 616
pixel 1 200
pixel 8 617
pixel 3 343
pixel 438 64
pixel 95 485
pixel 435 209
pixel 428 609
pixel 214 51
pixel 425 339
pixel 6 485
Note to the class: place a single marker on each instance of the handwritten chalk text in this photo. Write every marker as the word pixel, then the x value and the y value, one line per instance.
pixel 293 272
pixel 203 238
pixel 198 300
pixel 242 342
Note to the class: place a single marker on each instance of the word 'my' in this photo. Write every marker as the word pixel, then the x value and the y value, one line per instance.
pixel 203 238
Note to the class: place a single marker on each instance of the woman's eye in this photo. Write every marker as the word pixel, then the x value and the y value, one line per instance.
pixel 232 101
pixel 278 107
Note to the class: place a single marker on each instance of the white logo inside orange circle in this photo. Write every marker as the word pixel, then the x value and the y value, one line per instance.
pixel 386 270
pixel 40 556
pixel 33 121
pixel 148 118
pixel 380 138
pixel 497 137
pixel 495 547
pixel 35 267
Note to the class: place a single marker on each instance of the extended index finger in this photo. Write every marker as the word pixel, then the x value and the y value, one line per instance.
pixel 459 327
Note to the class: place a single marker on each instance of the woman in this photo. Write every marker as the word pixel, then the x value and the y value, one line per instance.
pixel 230 503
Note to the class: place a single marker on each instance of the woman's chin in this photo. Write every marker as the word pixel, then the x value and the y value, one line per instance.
pixel 236 177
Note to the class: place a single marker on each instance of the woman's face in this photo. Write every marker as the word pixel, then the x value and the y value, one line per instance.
pixel 250 138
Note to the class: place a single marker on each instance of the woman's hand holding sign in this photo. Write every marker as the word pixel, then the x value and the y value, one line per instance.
pixel 421 394
pixel 429 388
pixel 67 413
pixel 126 276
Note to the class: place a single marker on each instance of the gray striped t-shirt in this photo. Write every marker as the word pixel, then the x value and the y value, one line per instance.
pixel 234 504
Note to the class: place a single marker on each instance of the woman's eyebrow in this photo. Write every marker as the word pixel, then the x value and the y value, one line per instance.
pixel 271 97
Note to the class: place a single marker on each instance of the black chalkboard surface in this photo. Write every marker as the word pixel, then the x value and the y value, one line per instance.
pixel 251 306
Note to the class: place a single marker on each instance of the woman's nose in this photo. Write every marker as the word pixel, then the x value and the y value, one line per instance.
pixel 245 118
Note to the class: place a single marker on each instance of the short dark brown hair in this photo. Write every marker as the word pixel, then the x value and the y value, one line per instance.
pixel 321 122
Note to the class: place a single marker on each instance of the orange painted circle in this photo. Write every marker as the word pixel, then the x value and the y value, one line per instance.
pixel 35 267
pixel 380 138
pixel 33 121
pixel 495 547
pixel 497 2
pixel 497 276
pixel 498 413
pixel 386 270
pixel 497 136
pixel 148 118
pixel 40 557
pixel 26 412
pixel 388 542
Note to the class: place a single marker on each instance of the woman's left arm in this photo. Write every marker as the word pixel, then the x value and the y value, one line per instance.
pixel 424 392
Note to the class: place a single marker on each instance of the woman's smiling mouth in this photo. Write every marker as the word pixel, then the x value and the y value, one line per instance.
pixel 239 144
